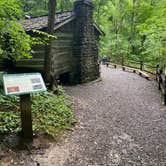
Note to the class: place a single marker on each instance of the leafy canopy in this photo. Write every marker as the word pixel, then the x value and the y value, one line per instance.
pixel 14 42
pixel 135 29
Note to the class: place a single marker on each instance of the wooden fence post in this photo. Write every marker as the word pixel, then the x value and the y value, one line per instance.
pixel 157 72
pixel 141 65
pixel 165 89
pixel 122 61
pixel 160 78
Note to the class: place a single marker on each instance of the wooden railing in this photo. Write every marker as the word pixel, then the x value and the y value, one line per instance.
pixel 161 79
pixel 138 65
pixel 140 68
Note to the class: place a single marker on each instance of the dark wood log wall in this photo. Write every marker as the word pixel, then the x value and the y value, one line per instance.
pixel 62 51
pixel 62 54
pixel 34 64
pixel 75 51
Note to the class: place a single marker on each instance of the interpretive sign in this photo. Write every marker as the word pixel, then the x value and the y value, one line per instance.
pixel 23 85
pixel 17 84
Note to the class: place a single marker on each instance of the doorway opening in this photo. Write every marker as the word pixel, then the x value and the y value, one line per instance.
pixel 64 78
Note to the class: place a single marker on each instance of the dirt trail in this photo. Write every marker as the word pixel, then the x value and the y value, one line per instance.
pixel 121 124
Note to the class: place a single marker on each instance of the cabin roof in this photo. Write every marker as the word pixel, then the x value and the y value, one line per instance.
pixel 61 19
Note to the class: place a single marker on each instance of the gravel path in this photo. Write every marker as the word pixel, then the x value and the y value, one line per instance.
pixel 122 123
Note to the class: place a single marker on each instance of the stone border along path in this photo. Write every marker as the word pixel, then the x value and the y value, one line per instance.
pixel 122 123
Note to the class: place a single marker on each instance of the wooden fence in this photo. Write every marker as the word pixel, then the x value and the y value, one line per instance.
pixel 137 65
pixel 161 79
pixel 144 68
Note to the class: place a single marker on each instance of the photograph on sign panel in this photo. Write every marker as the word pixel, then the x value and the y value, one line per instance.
pixel 13 89
pixel 37 87
pixel 35 80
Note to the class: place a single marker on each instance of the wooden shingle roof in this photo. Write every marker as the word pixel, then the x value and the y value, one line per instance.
pixel 41 22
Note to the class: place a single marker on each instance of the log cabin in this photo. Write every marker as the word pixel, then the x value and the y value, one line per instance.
pixel 75 51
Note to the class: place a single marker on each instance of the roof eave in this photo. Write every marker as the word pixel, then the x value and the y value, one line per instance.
pixel 71 19
pixel 99 30
pixel 64 22
pixel 59 25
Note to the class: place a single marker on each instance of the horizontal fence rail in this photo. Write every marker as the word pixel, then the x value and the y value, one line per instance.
pixel 143 68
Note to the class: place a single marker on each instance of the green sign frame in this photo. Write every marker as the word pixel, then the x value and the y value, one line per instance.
pixel 26 75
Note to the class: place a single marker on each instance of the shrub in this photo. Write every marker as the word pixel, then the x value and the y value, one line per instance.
pixel 50 113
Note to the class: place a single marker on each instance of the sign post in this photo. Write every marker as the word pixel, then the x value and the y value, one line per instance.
pixel 23 85
pixel 26 117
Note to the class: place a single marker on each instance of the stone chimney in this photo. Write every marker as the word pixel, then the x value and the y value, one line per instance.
pixel 85 44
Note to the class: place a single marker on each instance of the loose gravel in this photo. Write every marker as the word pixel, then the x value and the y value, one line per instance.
pixel 122 122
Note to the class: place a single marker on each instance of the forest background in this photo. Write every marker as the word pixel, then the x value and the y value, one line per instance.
pixel 134 29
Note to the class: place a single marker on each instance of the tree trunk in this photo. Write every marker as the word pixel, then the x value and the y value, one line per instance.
pixel 50 30
pixel 132 28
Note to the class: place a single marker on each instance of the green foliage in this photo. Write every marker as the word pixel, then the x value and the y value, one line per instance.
pixel 126 23
pixel 50 114
pixel 63 5
pixel 40 7
pixel 14 42
pixel 154 28
pixel 42 38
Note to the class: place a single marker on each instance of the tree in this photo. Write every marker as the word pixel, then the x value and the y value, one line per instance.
pixel 154 28
pixel 51 19
pixel 40 7
pixel 135 29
